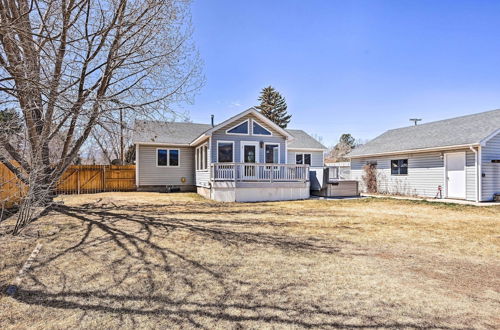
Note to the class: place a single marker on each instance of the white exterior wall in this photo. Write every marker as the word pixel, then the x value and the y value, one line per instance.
pixel 425 174
pixel 491 171
pixel 151 175
pixel 317 159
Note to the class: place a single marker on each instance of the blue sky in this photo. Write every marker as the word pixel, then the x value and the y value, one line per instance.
pixel 358 67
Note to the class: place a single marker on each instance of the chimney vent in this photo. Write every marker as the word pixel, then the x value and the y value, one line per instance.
pixel 212 119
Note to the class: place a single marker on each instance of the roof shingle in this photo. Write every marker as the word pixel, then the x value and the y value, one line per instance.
pixel 465 130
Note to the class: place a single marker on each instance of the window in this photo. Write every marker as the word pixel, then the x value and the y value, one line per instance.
pixel 399 167
pixel 225 152
pixel 303 159
pixel 259 130
pixel 201 158
pixel 272 153
pixel 239 129
pixel 173 157
pixel 167 157
pixel 162 157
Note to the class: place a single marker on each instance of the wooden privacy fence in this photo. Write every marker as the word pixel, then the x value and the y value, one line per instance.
pixel 86 179
pixel 77 179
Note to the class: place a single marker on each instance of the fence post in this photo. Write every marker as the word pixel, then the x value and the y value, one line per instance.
pixel 78 180
pixel 104 178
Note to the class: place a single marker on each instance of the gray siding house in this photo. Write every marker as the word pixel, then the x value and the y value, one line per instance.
pixel 459 157
pixel 244 158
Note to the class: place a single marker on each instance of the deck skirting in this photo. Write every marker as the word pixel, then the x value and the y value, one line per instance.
pixel 255 192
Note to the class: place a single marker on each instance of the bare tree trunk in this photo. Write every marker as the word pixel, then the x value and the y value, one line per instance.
pixel 69 66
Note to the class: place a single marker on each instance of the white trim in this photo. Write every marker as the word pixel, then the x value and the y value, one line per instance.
pixel 137 165
pixel 480 155
pixel 464 154
pixel 250 143
pixel 286 151
pixel 476 167
pixel 445 175
pixel 411 151
pixel 489 137
pixel 217 150
pixel 279 151
pixel 248 128
pixel 242 114
pixel 164 144
pixel 200 138
pixel 307 149
pixel 168 157
pixel 202 157
pixel 256 122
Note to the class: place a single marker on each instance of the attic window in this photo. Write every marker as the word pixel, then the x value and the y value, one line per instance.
pixel 239 129
pixel 259 130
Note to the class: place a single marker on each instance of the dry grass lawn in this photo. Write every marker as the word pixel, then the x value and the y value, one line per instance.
pixel 147 260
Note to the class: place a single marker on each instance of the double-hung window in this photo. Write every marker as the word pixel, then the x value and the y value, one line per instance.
pixel 167 157
pixel 399 167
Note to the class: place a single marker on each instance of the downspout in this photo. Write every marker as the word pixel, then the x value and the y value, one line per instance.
pixel 478 179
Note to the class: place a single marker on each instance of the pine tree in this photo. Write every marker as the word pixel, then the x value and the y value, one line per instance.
pixel 273 106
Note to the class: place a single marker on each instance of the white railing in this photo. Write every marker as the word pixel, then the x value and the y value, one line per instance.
pixel 259 172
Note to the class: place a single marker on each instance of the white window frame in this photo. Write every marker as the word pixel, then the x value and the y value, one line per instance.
pixel 201 158
pixel 303 158
pixel 217 151
pixel 254 121
pixel 256 144
pixel 279 151
pixel 248 126
pixel 168 157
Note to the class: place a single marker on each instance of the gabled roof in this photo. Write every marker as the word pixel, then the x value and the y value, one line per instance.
pixel 253 111
pixel 460 131
pixel 160 132
pixel 302 140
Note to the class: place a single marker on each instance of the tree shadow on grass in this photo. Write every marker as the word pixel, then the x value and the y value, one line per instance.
pixel 132 263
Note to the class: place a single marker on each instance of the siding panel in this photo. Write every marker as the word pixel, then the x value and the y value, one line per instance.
pixel 152 175
pixel 491 171
pixel 425 174
pixel 316 157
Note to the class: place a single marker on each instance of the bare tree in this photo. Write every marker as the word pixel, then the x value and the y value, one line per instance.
pixel 69 66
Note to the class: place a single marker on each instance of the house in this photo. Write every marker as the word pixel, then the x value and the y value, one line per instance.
pixel 456 158
pixel 245 158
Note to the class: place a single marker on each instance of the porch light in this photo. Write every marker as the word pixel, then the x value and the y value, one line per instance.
pixel 261 144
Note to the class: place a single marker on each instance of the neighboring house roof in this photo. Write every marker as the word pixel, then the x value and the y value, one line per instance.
pixel 302 140
pixel 460 131
pixel 146 131
pixel 160 132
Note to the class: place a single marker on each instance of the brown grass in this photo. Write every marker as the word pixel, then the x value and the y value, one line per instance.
pixel 126 260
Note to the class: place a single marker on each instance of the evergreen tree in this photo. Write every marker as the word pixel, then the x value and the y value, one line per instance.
pixel 273 106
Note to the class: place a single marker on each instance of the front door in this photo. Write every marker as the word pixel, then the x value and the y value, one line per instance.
pixel 249 155
pixel 455 175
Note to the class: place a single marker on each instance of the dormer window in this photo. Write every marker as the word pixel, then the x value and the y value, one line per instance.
pixel 240 129
pixel 259 130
